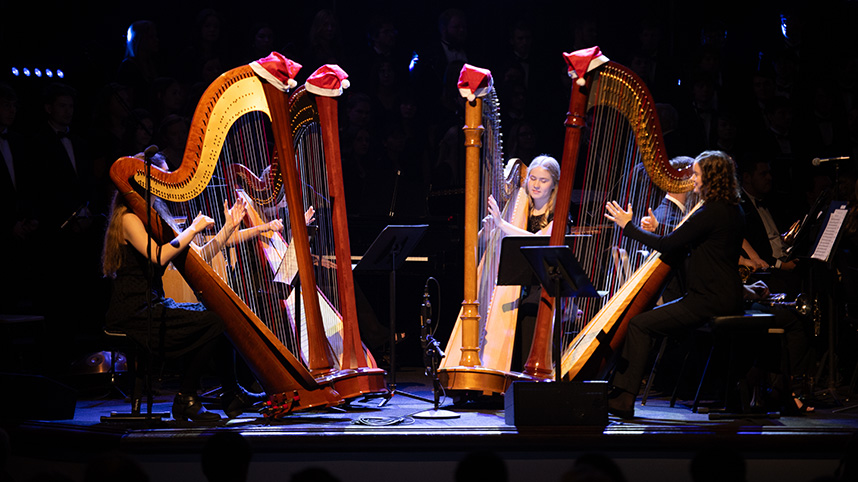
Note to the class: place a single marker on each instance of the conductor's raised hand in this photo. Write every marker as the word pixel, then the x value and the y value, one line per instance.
pixel 615 213
pixel 649 222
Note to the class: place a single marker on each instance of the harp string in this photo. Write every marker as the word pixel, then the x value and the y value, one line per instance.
pixel 613 171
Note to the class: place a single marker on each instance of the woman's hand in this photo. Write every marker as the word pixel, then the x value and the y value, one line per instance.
pixel 309 215
pixel 616 214
pixel 201 223
pixel 494 210
pixel 649 222
pixel 275 225
pixel 234 214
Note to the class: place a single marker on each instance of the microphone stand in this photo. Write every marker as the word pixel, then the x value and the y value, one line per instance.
pixel 149 416
pixel 432 355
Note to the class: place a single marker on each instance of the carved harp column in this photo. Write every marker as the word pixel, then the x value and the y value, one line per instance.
pixel 480 346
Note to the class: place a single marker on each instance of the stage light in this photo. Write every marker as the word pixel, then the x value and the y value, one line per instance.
pixel 26 72
pixel 37 72
pixel 60 74
pixel 49 73
pixel 15 72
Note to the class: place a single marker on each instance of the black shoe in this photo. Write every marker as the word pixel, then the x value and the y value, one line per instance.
pixel 622 404
pixel 236 402
pixel 189 407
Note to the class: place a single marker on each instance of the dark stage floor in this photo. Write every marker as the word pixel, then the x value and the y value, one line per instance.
pixel 363 441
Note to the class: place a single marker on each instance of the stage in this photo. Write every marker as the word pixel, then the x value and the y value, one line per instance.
pixel 367 442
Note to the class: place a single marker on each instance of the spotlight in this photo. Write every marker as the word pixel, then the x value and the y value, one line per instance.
pixel 15 71
pixel 26 72
pixel 49 73
pixel 38 72
pixel 60 74
pixel 413 63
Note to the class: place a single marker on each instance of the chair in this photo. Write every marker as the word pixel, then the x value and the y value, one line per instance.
pixel 137 366
pixel 723 333
pixel 728 333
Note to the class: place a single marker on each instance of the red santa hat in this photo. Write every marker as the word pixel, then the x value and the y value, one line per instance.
pixel 328 80
pixel 474 82
pixel 277 70
pixel 582 61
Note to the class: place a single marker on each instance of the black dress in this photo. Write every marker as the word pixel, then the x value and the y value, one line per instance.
pixel 177 328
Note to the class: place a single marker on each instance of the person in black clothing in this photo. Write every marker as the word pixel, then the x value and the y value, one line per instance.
pixel 712 236
pixel 179 330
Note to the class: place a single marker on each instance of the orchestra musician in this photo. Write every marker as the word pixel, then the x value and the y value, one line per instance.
pixel 712 237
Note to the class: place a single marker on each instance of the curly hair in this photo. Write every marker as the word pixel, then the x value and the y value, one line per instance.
pixel 718 182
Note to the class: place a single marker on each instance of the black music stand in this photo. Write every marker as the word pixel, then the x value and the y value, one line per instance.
pixel 387 253
pixel 559 274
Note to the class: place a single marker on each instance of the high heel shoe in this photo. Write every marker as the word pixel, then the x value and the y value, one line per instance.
pixel 189 407
pixel 236 402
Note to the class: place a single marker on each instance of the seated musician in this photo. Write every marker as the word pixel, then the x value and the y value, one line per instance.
pixel 541 187
pixel 179 330
pixel 712 235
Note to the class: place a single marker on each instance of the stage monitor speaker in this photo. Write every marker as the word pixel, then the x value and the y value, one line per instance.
pixel 556 404
pixel 34 397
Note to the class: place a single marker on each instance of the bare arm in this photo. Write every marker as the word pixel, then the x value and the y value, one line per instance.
pixel 136 235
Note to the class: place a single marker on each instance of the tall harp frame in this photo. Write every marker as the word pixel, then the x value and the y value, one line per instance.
pixel 479 350
pixel 281 372
pixel 617 90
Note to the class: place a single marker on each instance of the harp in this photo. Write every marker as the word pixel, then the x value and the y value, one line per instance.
pixel 240 144
pixel 480 347
pixel 613 150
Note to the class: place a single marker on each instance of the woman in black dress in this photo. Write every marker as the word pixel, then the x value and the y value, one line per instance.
pixel 712 237
pixel 178 330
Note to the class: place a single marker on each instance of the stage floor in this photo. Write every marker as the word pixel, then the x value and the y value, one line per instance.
pixel 365 441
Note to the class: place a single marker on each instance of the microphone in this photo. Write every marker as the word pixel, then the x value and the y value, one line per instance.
pixel 817 161
pixel 150 152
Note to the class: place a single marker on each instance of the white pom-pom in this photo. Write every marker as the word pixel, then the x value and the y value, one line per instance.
pixel 345 83
pixel 580 81
pixel 291 83
pixel 471 98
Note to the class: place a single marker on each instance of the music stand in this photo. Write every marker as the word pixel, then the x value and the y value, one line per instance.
pixel 559 274
pixel 387 253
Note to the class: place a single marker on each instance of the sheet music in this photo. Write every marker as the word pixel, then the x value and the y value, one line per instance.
pixel 829 235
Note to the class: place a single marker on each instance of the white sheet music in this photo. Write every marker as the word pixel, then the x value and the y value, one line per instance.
pixel 829 235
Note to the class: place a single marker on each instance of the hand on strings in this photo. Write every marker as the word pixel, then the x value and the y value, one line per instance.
pixel 494 210
pixel 234 214
pixel 309 215
pixel 615 213
pixel 275 225
pixel 201 223
pixel 649 222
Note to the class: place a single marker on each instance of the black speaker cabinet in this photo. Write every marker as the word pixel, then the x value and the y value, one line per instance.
pixel 34 397
pixel 556 404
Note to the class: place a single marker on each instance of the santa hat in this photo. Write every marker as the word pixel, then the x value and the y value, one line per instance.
pixel 277 70
pixel 474 82
pixel 582 61
pixel 328 80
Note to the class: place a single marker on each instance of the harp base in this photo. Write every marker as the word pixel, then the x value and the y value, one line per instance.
pixel 557 404
pixel 357 382
pixel 480 379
